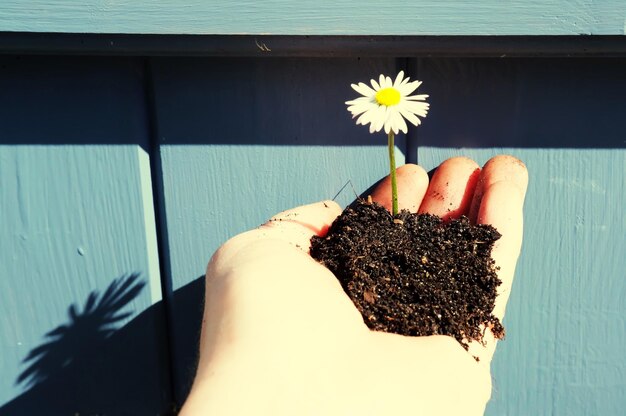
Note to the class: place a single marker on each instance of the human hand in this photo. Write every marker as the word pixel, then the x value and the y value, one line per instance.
pixel 280 336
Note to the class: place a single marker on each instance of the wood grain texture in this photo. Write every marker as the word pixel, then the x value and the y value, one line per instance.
pixel 214 192
pixel 322 17
pixel 80 314
pixel 538 103
pixel 74 221
pixel 244 139
pixel 310 46
pixel 565 322
pixel 238 140
pixel 563 353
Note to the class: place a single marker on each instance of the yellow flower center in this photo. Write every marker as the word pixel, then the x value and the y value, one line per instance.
pixel 388 96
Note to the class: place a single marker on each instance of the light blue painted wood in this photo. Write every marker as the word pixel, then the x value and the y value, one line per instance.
pixel 321 17
pixel 216 192
pixel 244 139
pixel 564 351
pixel 73 220
pixel 78 254
pixel 72 100
pixel 241 139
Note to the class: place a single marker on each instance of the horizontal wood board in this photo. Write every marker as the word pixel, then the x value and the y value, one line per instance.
pixel 308 46
pixel 321 17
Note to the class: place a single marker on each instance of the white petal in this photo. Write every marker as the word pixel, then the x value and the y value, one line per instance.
pixel 393 122
pixel 382 81
pixel 366 117
pixel 419 108
pixel 388 125
pixel 356 108
pixel 379 118
pixel 375 84
pixel 361 108
pixel 356 112
pixel 376 115
pixel 410 87
pixel 376 124
pixel 359 100
pixel 409 116
pixel 398 80
pixel 363 119
pixel 363 89
pixel 390 121
pixel 400 123
pixel 420 97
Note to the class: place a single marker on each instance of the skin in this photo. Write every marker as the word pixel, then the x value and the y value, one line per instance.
pixel 280 337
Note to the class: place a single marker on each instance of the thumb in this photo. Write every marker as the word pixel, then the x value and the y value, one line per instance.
pixel 295 227
pixel 298 225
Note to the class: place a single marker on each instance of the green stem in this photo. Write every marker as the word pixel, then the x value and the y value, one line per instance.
pixel 392 173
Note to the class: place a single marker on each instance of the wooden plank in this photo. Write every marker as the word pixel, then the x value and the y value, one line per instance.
pixel 565 321
pixel 321 17
pixel 81 322
pixel 307 46
pixel 241 140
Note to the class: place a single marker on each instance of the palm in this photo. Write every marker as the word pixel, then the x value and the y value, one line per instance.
pixel 314 336
pixel 280 331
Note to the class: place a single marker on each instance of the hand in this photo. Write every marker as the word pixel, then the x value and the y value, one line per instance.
pixel 280 336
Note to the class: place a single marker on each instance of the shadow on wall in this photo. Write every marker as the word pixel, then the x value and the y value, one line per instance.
pixel 84 330
pixel 88 367
pixel 523 103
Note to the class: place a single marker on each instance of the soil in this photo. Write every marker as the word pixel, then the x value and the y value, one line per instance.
pixel 414 274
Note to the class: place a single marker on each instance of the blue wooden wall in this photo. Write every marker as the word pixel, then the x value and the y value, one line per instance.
pixel 564 352
pixel 120 176
pixel 78 246
pixel 271 141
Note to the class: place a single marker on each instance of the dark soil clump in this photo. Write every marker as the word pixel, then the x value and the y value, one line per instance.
pixel 414 274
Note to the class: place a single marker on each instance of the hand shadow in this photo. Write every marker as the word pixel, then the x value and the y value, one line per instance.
pixel 88 366
pixel 70 342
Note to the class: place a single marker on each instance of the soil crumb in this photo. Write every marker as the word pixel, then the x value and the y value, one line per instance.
pixel 414 274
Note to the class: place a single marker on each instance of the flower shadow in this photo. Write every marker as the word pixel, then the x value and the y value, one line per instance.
pixel 106 359
pixel 91 326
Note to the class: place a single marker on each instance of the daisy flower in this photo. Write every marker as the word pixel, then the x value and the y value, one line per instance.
pixel 387 104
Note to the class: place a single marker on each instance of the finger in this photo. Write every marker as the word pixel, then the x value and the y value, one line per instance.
pixel 505 180
pixel 254 280
pixel 503 183
pixel 451 189
pixel 412 181
pixel 498 168
pixel 298 225
pixel 315 217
